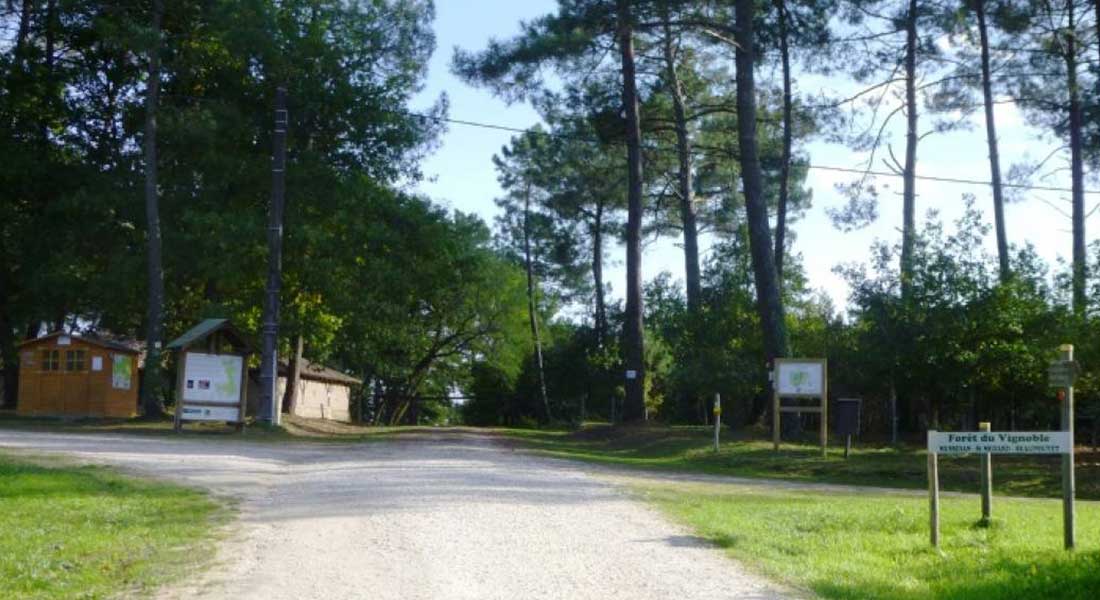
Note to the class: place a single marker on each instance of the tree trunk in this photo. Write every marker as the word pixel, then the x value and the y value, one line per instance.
pixel 154 332
pixel 909 192
pixel 1077 170
pixel 23 33
pixel 634 405
pixel 532 308
pixel 768 301
pixel 991 141
pixel 785 166
pixel 8 349
pixel 294 378
pixel 597 276
pixel 684 175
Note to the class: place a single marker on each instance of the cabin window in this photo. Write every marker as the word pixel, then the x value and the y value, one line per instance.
pixel 74 360
pixel 51 360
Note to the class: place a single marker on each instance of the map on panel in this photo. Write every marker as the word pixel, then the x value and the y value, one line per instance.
pixel 796 378
pixel 214 378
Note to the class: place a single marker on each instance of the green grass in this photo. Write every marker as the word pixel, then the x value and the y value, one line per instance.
pixel 89 532
pixel 689 449
pixel 875 545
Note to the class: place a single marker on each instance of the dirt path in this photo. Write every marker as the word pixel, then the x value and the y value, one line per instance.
pixel 449 516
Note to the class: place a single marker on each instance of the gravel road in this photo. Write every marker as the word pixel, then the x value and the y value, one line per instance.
pixel 438 515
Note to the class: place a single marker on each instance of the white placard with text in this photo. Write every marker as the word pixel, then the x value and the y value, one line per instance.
pixel 999 442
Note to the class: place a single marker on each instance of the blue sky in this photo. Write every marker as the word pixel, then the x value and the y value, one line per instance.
pixel 460 174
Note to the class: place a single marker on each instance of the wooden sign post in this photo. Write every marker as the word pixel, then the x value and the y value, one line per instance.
pixel 987 481
pixel 1062 375
pixel 717 419
pixel 987 443
pixel 801 378
pixel 211 374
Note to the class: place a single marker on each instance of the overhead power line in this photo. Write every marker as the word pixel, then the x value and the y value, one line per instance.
pixel 819 167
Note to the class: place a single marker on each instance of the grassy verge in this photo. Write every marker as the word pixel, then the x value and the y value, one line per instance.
pixel 872 545
pixel 88 532
pixel 689 449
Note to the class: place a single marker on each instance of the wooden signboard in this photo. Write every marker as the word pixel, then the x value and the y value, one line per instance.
pixel 211 373
pixel 800 378
pixel 988 443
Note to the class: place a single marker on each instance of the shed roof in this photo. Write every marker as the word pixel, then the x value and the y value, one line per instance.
pixel 319 372
pixel 95 341
pixel 209 327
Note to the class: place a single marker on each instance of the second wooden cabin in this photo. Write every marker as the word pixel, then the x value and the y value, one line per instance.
pixel 64 375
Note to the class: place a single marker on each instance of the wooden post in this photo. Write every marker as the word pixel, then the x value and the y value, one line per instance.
pixel 847 445
pixel 824 407
pixel 987 481
pixel 934 498
pixel 181 364
pixel 775 410
pixel 717 418
pixel 1068 483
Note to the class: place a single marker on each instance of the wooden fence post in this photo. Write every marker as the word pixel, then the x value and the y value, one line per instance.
pixel 1068 483
pixel 934 498
pixel 987 481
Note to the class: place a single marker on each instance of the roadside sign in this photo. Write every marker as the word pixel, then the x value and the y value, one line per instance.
pixel 985 442
pixel 1062 373
pixel 999 442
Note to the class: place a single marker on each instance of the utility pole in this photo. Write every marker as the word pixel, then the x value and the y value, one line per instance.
pixel 269 411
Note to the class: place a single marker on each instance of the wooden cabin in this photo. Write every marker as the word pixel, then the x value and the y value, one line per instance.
pixel 64 375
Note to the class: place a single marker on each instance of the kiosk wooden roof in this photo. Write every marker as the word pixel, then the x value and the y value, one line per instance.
pixel 216 333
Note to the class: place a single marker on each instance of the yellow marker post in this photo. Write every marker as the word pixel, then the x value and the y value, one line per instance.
pixel 717 419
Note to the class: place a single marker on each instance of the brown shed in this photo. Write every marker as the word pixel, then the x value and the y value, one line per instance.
pixel 74 376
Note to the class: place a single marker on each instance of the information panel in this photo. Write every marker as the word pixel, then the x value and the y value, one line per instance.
pixel 999 442
pixel 212 378
pixel 800 378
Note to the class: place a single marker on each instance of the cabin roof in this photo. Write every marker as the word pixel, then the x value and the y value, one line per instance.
pixel 319 372
pixel 132 347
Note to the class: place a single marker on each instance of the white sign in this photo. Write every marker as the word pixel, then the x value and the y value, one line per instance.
pixel 97 363
pixel 631 374
pixel 800 379
pixel 210 413
pixel 999 442
pixel 214 378
pixel 64 340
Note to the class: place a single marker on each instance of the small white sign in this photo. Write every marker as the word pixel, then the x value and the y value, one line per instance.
pixel 210 413
pixel 999 442
pixel 631 374
pixel 97 363
pixel 800 378
pixel 64 340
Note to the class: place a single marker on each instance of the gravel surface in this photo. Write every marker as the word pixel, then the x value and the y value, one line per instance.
pixel 438 515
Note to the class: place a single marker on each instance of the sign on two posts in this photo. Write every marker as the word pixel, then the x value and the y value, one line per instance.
pixel 999 442
pixel 986 443
pixel 800 378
